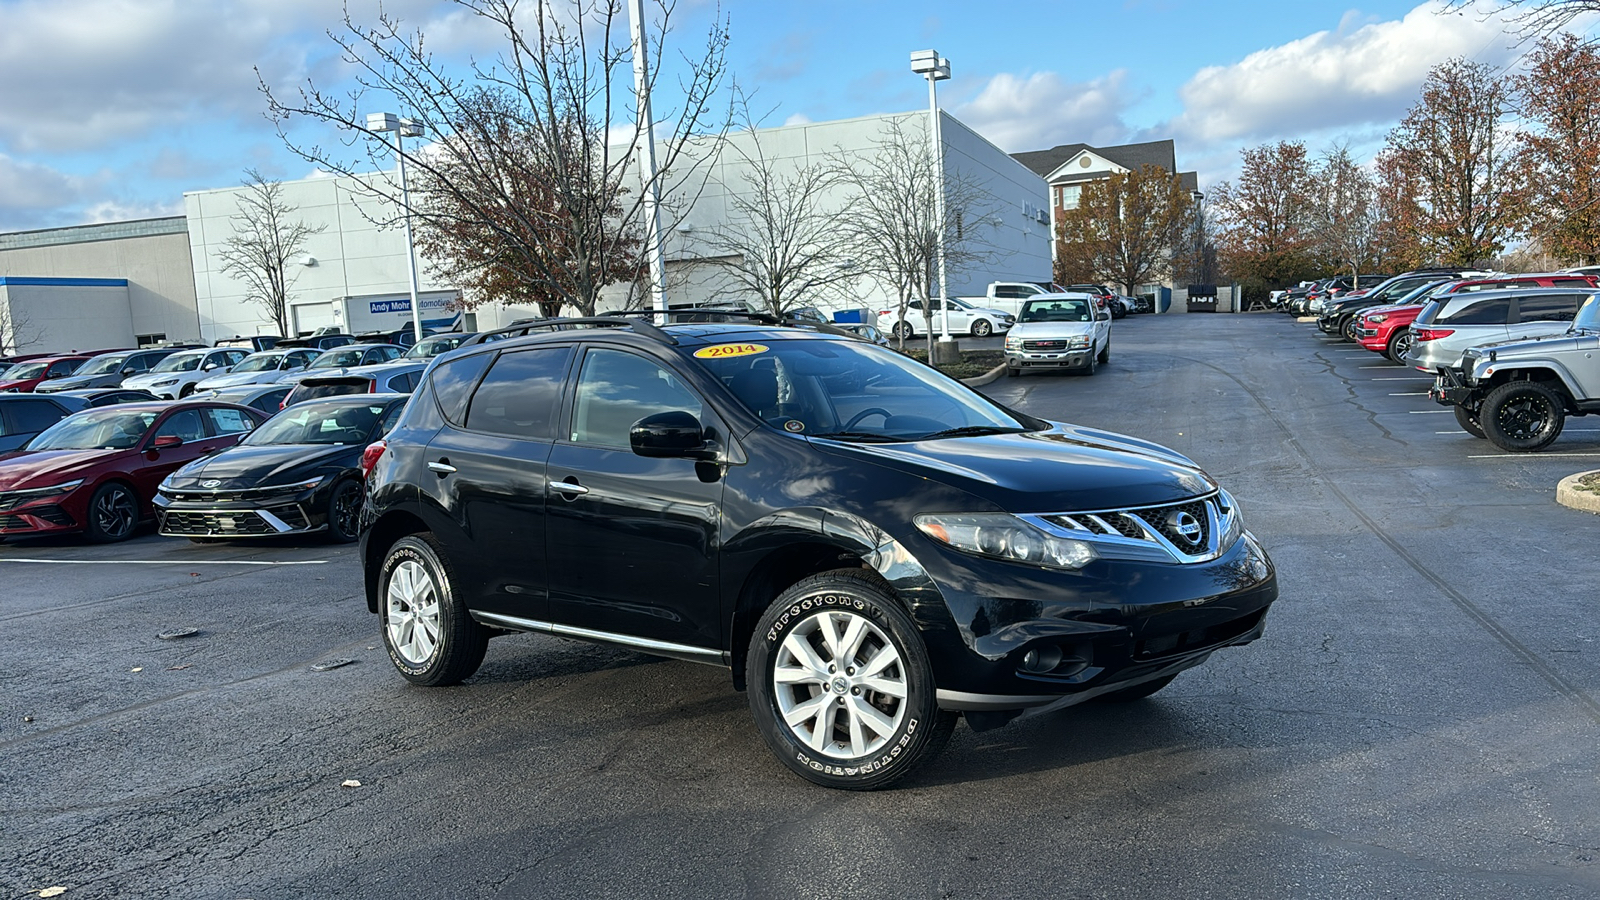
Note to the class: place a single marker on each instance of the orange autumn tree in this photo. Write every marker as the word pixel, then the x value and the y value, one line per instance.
pixel 1560 102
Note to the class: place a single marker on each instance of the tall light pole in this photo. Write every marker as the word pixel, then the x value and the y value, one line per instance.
pixel 383 123
pixel 647 156
pixel 930 65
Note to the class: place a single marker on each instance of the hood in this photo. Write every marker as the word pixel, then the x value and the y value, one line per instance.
pixel 1544 343
pixel 1044 331
pixel 78 383
pixel 1394 308
pixel 23 384
pixel 1065 469
pixel 246 466
pixel 989 310
pixel 30 469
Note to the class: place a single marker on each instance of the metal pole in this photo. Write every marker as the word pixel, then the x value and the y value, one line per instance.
pixel 934 134
pixel 411 253
pixel 647 157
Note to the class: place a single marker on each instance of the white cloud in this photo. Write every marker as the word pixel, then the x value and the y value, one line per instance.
pixel 1041 110
pixel 30 194
pixel 119 211
pixel 798 119
pixel 1359 74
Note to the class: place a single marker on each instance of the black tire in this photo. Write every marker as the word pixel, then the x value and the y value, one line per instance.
pixel 1469 422
pixel 1522 416
pixel 113 513
pixel 344 511
pixel 458 642
pixel 1347 328
pixel 1088 368
pixel 1399 343
pixel 1105 353
pixel 185 391
pixel 790 636
pixel 1138 691
pixel 903 330
pixel 1012 371
pixel 982 328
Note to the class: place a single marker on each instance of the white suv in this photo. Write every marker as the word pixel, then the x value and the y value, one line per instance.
pixel 176 376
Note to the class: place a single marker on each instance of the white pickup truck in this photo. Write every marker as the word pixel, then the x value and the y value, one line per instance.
pixel 1008 296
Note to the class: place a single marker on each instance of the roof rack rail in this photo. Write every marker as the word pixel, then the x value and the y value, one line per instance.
pixel 559 324
pixel 694 314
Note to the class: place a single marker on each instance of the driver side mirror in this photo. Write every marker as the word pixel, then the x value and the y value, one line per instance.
pixel 669 435
pixel 129 370
pixel 164 441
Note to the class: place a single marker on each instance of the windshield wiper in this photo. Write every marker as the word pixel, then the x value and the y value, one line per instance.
pixel 866 436
pixel 972 431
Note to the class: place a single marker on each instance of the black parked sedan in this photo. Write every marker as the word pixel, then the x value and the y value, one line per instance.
pixel 298 473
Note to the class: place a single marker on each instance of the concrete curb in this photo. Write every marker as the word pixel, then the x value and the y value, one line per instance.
pixel 994 374
pixel 1568 493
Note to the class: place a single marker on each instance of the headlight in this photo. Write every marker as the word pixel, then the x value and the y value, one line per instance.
pixel 63 488
pixel 1079 343
pixel 1377 318
pixel 164 382
pixel 1013 343
pixel 1006 537
pixel 297 486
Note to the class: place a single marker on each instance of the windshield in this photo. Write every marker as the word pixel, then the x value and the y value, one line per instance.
pixel 179 362
pixel 1588 317
pixel 333 359
pixel 1422 292
pixel 319 423
pixel 260 362
pixel 430 347
pixel 852 391
pixel 108 429
pixel 103 365
pixel 1070 310
pixel 26 370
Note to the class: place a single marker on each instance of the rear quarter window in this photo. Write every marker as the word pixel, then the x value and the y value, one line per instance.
pixel 452 383
pixel 1550 308
pixel 1490 311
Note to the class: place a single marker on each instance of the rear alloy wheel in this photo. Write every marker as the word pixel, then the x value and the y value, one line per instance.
pixel 1522 416
pixel 982 328
pixel 903 330
pixel 1399 346
pixel 841 686
pixel 1469 422
pixel 113 513
pixel 344 511
pixel 430 636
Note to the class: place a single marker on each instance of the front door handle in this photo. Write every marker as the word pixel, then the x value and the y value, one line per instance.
pixel 442 467
pixel 568 487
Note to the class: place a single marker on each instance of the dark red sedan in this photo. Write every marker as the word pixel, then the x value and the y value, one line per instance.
pixel 96 471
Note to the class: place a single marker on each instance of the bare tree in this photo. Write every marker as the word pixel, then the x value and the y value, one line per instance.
pixel 1530 20
pixel 17 330
pixel 891 218
pixel 779 243
pixel 266 236
pixel 1343 213
pixel 555 121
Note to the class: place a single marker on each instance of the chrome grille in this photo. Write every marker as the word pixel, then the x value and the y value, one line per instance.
pixel 1192 531
pixel 1044 345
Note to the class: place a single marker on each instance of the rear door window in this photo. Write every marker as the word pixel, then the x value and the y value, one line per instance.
pixel 452 383
pixel 1490 311
pixel 1549 308
pixel 518 396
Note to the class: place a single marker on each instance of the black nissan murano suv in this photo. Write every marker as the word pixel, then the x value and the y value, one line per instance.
pixel 872 548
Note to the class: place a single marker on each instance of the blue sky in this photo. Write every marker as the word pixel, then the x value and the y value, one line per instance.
pixel 113 108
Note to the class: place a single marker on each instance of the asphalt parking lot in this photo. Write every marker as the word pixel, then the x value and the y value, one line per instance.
pixel 1420 720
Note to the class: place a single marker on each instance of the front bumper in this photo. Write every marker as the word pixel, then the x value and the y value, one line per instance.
pixel 1051 359
pixel 21 514
pixel 240 513
pixel 1115 625
pixel 1450 388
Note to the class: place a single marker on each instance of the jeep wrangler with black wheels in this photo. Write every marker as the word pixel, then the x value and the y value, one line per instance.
pixel 872 549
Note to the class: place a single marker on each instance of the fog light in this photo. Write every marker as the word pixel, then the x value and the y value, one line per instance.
pixel 1041 659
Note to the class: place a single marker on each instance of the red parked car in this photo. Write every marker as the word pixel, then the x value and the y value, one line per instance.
pixel 29 375
pixel 1387 329
pixel 96 471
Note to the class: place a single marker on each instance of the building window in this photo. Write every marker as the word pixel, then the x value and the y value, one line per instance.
pixel 1069 196
pixel 149 340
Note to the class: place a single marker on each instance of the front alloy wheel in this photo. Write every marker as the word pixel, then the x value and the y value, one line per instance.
pixel 430 636
pixel 982 328
pixel 840 683
pixel 1400 345
pixel 1347 329
pixel 113 513
pixel 1522 416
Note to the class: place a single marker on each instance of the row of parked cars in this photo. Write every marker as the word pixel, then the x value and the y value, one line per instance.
pixel 256 444
pixel 1513 354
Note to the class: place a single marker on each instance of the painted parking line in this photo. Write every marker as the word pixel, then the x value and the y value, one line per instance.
pixel 1376 367
pixel 1563 431
pixel 1405 378
pixel 1457 431
pixel 165 562
pixel 1410 394
pixel 1430 412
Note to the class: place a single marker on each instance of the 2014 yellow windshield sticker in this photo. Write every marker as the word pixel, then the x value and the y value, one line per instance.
pixel 728 351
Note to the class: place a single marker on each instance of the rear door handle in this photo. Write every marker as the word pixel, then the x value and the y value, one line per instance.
pixel 567 487
pixel 442 467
